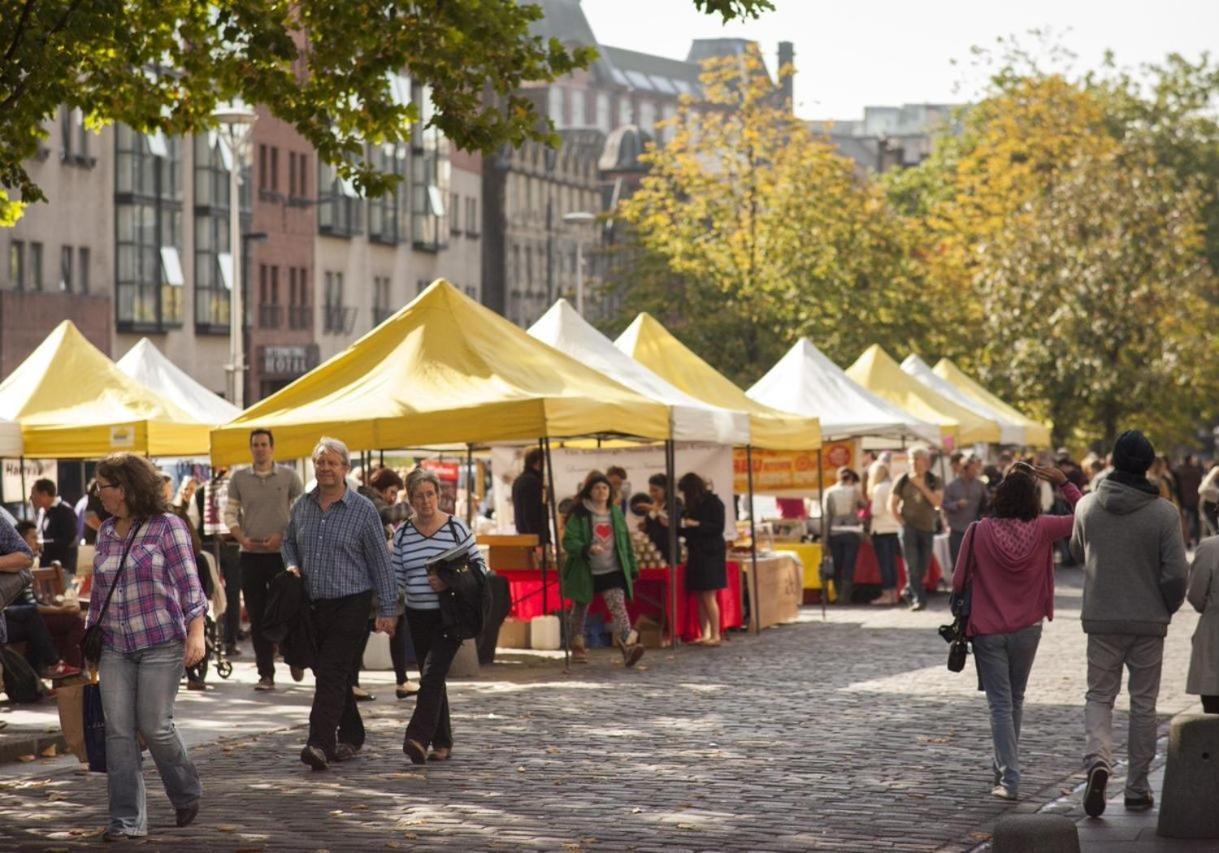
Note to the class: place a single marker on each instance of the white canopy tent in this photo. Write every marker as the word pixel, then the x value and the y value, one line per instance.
pixel 691 419
pixel 147 364
pixel 10 439
pixel 1010 432
pixel 805 381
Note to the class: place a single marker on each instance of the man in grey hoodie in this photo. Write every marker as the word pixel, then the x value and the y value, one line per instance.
pixel 1129 540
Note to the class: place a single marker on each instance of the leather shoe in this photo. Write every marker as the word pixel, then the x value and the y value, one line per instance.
pixel 314 757
pixel 1140 804
pixel 414 751
pixel 345 751
pixel 187 815
pixel 298 673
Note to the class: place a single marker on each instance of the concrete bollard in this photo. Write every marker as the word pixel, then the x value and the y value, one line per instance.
pixel 465 664
pixel 1045 833
pixel 1191 778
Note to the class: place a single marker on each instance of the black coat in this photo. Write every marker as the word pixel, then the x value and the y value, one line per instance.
pixel 707 551
pixel 288 621
pixel 528 510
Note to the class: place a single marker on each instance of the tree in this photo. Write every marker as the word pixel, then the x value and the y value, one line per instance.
pixel 749 232
pixel 324 66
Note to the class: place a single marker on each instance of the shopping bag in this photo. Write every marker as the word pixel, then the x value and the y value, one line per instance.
pixel 71 701
pixel 94 728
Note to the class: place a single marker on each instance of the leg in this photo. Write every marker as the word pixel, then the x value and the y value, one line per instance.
pixel 397 650
pixel 909 546
pixel 850 552
pixel 994 666
pixel 712 606
pixel 575 628
pixel 118 682
pixel 955 538
pixel 25 624
pixel 885 545
pixel 160 668
pixel 1106 653
pixel 257 570
pixel 339 623
pixel 357 662
pixel 1022 650
pixel 67 630
pixel 429 725
pixel 836 554
pixel 615 603
pixel 1144 663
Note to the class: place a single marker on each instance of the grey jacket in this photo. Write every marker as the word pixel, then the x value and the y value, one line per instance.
pixel 1134 560
pixel 1204 596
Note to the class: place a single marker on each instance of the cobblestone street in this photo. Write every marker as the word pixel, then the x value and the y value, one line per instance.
pixel 848 734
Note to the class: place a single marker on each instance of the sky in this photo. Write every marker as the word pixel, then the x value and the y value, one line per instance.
pixel 890 52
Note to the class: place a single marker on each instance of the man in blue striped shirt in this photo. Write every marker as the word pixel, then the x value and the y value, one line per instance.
pixel 336 542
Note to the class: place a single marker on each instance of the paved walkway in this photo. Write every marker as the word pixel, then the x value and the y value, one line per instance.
pixel 848 734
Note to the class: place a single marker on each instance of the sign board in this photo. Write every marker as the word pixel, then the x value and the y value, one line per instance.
pixel 122 437
pixel 35 469
pixel 793 473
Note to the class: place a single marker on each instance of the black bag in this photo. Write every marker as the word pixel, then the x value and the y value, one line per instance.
pixel 94 728
pixel 21 683
pixel 91 642
pixel 958 645
pixel 465 607
pixel 12 584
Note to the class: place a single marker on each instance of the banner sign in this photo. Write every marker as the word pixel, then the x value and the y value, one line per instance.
pixel 793 473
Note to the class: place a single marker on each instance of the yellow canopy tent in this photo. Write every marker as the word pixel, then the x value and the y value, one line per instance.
pixel 876 370
pixel 74 403
pixel 651 344
pixel 443 370
pixel 1036 434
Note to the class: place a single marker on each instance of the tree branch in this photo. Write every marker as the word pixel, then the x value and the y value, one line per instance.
pixel 20 88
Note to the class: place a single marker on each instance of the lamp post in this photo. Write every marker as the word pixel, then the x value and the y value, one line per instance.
pixel 579 217
pixel 235 123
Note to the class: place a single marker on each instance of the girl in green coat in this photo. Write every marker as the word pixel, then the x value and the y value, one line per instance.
pixel 599 559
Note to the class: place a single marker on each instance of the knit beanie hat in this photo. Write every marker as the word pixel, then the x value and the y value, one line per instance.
pixel 1133 453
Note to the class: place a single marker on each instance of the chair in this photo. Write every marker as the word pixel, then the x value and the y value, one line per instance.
pixel 48 583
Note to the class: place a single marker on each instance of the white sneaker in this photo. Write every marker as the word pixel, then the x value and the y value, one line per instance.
pixel 1002 793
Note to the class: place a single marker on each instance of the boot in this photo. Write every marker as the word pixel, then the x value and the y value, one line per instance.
pixel 579 654
pixel 632 651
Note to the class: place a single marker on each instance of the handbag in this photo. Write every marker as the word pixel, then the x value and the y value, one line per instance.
pixel 12 584
pixel 70 698
pixel 94 726
pixel 91 642
pixel 958 644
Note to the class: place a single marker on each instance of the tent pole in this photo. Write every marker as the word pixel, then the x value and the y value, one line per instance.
pixel 755 611
pixel 825 536
pixel 25 515
pixel 674 554
pixel 470 487
pixel 382 452
pixel 554 520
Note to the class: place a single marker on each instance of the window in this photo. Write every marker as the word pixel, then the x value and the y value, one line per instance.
pixel 262 167
pixel 578 100
pixel 647 115
pixel 472 223
pixel 82 269
pixel 339 210
pixel 603 112
pixel 16 265
pixel 430 171
pixel 36 266
pixel 302 183
pixel 274 169
pixel 270 312
pixel 65 269
pixel 624 110
pixel 380 300
pixel 292 174
pixel 338 318
pixel 300 314
pixel 554 108
pixel 668 112
pixel 74 138
pixel 387 214
pixel 213 261
pixel 454 213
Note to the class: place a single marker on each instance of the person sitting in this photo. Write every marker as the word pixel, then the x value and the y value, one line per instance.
pixel 62 623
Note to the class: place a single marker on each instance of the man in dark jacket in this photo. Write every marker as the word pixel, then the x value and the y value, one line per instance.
pixel 1129 540
pixel 528 505
pixel 57 526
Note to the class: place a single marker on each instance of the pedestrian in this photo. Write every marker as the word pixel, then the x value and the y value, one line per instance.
pixel 1208 500
pixel 916 499
pixel 15 556
pixel 151 630
pixel 1007 563
pixel 212 500
pixel 429 534
pixel 258 504
pixel 1189 478
pixel 843 501
pixel 600 560
pixel 56 526
pixel 885 527
pixel 620 484
pixel 964 502
pixel 706 560
pixel 336 542
pixel 52 632
pixel 656 521
pixel 1129 540
pixel 528 503
pixel 1203 594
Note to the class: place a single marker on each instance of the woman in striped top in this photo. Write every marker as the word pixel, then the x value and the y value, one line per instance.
pixel 429 534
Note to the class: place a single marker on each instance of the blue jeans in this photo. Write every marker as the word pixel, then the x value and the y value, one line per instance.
pixel 885 546
pixel 916 550
pixel 1004 663
pixel 844 549
pixel 138 691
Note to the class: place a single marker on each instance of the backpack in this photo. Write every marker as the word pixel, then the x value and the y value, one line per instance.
pixel 21 683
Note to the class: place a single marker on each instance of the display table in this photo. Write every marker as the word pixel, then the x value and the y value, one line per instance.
pixel 651 598
pixel 510 551
pixel 779 590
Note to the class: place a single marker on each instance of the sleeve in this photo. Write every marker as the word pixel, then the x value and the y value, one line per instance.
pixel 62 526
pixel 180 568
pixel 1173 564
pixel 11 541
pixel 962 567
pixel 472 551
pixel 232 504
pixel 575 540
pixel 288 548
pixel 1056 527
pixel 1201 576
pixel 376 558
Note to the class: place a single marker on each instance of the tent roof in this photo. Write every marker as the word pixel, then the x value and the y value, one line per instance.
pixel 692 420
pixel 149 365
pixel 651 344
pixel 443 370
pixel 876 370
pixel 806 381
pixel 11 445
pixel 1036 434
pixel 1009 431
pixel 74 403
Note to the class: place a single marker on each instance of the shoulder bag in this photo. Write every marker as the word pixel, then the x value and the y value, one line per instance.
pixel 958 644
pixel 91 643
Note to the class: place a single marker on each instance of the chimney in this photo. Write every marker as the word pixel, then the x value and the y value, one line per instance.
pixel 787 56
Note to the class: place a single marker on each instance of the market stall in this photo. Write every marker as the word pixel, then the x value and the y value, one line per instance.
pixel 1010 431
pixel 1034 433
pixel 148 365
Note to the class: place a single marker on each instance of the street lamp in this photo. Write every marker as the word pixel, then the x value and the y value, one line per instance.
pixel 236 124
pixel 579 217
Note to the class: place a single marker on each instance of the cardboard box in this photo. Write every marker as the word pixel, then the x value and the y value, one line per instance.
pixel 651 636
pixel 513 634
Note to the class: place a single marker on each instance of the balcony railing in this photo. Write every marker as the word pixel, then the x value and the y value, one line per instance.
pixel 339 319
pixel 300 316
pixel 270 316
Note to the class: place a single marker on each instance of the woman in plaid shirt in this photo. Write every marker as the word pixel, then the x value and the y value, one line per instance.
pixel 152 629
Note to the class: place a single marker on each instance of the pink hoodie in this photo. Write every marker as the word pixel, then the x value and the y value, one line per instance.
pixel 1013 569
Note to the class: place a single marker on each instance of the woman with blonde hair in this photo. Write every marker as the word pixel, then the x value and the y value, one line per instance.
pixel 885 530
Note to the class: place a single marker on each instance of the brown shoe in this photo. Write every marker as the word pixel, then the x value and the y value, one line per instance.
pixel 579 653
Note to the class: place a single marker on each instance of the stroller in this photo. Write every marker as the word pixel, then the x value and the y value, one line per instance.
pixel 213 654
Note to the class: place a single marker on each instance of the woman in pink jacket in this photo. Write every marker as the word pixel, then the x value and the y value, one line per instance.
pixel 1007 560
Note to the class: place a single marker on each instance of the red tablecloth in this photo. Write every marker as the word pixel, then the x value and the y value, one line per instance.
pixel 651 598
pixel 868 572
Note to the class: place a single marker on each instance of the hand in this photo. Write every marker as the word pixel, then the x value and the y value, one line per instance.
pixel 387 625
pixel 962 503
pixel 272 542
pixel 195 648
pixel 596 550
pixel 1051 474
pixel 295 570
pixel 436 583
pixel 246 543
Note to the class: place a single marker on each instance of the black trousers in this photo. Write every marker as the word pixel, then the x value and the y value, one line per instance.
pixel 341 625
pixel 230 570
pixel 430 724
pixel 1210 704
pixel 26 625
pixel 401 649
pixel 257 572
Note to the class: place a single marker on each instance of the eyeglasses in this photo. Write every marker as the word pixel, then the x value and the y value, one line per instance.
pixel 101 486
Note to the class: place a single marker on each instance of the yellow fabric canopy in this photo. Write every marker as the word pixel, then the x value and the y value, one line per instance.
pixel 74 403
pixel 651 344
pixel 443 370
pixel 876 370
pixel 1036 434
